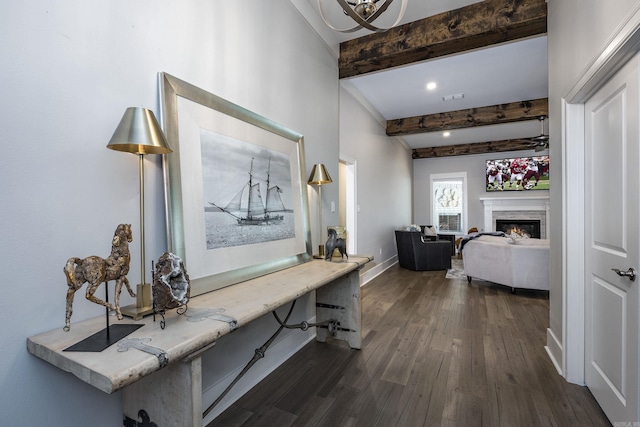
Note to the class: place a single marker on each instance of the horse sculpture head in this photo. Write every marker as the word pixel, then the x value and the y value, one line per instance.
pixel 122 235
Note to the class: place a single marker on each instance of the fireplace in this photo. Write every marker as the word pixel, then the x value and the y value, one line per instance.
pixel 528 226
pixel 523 208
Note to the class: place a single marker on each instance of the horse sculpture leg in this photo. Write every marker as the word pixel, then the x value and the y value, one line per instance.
pixel 126 283
pixel 67 320
pixel 91 290
pixel 122 280
pixel 343 250
pixel 74 282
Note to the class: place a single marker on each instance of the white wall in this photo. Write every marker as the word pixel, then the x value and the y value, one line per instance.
pixel 578 31
pixel 475 167
pixel 70 68
pixel 383 181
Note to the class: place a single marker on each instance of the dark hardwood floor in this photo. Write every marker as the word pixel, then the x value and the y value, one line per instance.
pixel 436 352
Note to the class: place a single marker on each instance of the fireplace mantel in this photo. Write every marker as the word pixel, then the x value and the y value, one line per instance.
pixel 539 204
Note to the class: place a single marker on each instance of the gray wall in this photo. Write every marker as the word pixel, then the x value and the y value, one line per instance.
pixel 383 181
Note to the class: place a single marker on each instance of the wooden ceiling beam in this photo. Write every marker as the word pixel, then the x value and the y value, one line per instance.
pixel 472 117
pixel 476 148
pixel 475 26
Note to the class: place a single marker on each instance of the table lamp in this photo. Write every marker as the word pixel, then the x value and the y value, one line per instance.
pixel 319 176
pixel 139 133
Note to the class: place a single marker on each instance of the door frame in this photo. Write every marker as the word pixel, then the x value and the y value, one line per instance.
pixel 624 44
pixel 351 195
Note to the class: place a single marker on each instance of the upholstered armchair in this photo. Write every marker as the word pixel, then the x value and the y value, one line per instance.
pixel 417 252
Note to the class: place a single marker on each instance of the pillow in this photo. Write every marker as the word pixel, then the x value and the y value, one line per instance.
pixel 429 230
pixel 514 237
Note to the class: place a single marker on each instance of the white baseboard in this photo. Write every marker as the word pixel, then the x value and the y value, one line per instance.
pixel 377 270
pixel 554 350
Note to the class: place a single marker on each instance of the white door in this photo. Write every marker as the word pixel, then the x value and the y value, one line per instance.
pixel 612 304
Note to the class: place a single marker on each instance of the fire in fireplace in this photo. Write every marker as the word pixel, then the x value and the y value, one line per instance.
pixel 529 226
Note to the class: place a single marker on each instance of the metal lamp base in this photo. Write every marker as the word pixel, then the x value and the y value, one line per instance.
pixel 320 252
pixel 143 306
pixel 136 313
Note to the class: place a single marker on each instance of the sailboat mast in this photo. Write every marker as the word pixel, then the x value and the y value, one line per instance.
pixel 250 185
pixel 266 206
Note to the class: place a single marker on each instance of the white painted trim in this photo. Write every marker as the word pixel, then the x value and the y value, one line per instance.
pixel 377 270
pixel 465 207
pixel 623 44
pixel 573 245
pixel 355 92
pixel 554 350
pixel 497 204
pixel 352 203
pixel 326 34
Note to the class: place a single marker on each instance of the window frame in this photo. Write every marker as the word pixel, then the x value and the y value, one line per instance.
pixel 450 176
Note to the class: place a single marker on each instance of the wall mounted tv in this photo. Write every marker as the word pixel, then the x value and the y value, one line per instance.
pixel 517 174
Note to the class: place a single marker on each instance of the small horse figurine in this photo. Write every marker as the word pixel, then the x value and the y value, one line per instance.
pixel 96 270
pixel 335 242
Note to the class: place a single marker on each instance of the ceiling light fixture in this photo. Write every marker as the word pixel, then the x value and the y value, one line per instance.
pixel 446 134
pixel 432 85
pixel 363 12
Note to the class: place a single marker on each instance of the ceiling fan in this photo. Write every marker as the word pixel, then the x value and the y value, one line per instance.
pixel 540 142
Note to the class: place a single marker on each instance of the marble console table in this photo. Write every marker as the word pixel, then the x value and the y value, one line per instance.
pixel 146 379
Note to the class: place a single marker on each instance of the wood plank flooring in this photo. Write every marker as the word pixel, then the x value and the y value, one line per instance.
pixel 436 352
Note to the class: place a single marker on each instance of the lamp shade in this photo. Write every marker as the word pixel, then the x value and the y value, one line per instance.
pixel 139 133
pixel 319 175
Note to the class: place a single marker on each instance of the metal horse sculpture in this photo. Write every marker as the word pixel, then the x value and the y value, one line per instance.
pixel 335 242
pixel 96 270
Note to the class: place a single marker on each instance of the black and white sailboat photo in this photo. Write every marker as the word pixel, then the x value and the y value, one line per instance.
pixel 247 190
pixel 256 211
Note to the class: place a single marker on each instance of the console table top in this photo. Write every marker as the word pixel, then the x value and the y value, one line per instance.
pixel 111 369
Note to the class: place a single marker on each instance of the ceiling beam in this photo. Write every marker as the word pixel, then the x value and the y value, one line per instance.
pixel 476 148
pixel 475 26
pixel 472 117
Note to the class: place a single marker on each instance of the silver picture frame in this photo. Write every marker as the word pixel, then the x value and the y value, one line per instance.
pixel 208 134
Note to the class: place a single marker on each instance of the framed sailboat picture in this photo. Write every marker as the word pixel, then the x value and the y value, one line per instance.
pixel 236 195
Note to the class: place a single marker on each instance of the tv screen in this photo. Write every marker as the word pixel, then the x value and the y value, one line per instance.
pixel 517 174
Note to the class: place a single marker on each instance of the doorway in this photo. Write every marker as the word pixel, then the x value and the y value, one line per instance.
pixel 348 201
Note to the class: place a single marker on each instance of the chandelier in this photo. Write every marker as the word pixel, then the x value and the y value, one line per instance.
pixel 363 12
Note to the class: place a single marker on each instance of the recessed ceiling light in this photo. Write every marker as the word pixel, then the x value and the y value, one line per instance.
pixel 432 85
pixel 446 134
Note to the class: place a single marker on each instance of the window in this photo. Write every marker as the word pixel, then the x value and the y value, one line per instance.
pixel 449 202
